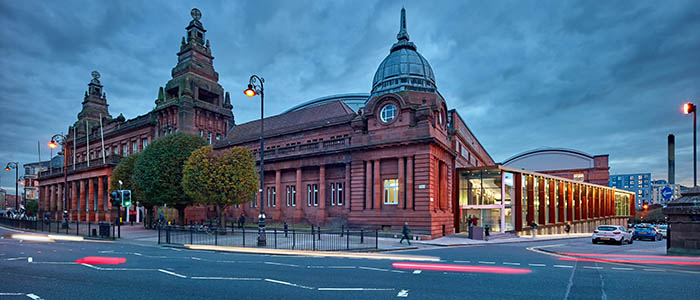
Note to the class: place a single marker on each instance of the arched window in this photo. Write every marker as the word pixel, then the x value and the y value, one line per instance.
pixel 388 113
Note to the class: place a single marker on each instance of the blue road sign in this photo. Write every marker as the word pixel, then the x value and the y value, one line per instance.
pixel 667 192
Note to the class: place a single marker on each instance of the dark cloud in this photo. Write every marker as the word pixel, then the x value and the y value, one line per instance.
pixel 599 77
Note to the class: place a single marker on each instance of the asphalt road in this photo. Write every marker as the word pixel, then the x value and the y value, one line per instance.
pixel 47 270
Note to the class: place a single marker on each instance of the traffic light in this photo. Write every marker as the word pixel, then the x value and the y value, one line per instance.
pixel 126 200
pixel 115 198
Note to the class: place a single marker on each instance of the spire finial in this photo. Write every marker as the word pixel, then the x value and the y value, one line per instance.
pixel 403 34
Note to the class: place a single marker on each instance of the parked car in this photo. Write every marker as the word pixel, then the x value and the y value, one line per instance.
pixel 611 233
pixel 662 230
pixel 646 232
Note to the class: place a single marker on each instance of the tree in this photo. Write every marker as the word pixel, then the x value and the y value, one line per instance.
pixel 125 172
pixel 221 179
pixel 32 207
pixel 158 172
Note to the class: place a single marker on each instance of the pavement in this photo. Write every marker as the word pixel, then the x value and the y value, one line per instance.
pixel 571 268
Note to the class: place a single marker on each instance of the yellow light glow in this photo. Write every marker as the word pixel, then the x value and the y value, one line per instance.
pixel 31 237
pixel 52 145
pixel 66 238
pixel 7 168
pixel 687 108
pixel 249 92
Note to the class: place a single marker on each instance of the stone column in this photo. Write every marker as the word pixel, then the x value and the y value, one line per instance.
pixel 443 186
pixel 402 184
pixel 278 190
pixel 346 186
pixel 377 185
pixel 52 199
pixel 108 213
pixel 409 182
pixel 321 194
pixel 100 199
pixel 74 200
pixel 81 200
pixel 369 200
pixel 91 203
pixel 59 200
pixel 300 191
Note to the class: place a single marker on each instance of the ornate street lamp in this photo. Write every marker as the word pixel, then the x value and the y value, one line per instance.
pixel 55 141
pixel 15 165
pixel 687 109
pixel 255 87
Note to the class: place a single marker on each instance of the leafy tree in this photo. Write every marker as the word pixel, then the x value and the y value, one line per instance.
pixel 158 172
pixel 125 172
pixel 32 207
pixel 221 179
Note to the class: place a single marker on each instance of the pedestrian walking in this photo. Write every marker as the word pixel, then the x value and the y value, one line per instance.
pixel 241 221
pixel 406 233
pixel 487 231
pixel 469 221
pixel 534 229
pixel 567 228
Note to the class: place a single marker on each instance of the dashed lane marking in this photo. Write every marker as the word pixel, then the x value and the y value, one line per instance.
pixel 537 265
pixel 354 289
pixel 487 262
pixel 225 278
pixel 462 261
pixel 172 273
pixel 35 297
pixel 594 268
pixel 342 267
pixel 280 264
pixel 16 258
pixel 511 263
pixel 29 259
pixel 402 294
pixel 563 266
pixel 417 272
pixel 654 270
pixel 11 294
pixel 288 283
pixel 374 269
pixel 623 269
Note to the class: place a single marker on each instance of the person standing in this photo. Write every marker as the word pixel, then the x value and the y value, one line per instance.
pixel 534 229
pixel 241 221
pixel 567 228
pixel 406 233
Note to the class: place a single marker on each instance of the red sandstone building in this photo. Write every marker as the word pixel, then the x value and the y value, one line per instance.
pixel 192 101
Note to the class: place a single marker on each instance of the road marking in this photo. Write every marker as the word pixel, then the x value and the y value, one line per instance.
pixel 402 294
pixel 106 251
pixel 487 262
pixel 397 271
pixel 29 259
pixel 462 261
pixel 511 263
pixel 315 267
pixel 226 278
pixel 625 269
pixel 280 264
pixel 35 297
pixel 11 294
pixel 16 258
pixel 288 283
pixel 91 266
pixel 172 273
pixel 341 267
pixel 417 271
pixel 594 268
pixel 374 269
pixel 537 265
pixel 354 289
pixel 563 266
pixel 138 254
pixel 654 270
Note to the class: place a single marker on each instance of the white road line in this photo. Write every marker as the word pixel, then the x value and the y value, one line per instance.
pixel 11 294
pixel 315 267
pixel 341 267
pixel 417 271
pixel 374 269
pixel 29 259
pixel 172 273
pixel 288 283
pixel 654 270
pixel 511 263
pixel 487 262
pixel 462 261
pixel 354 289
pixel 16 258
pixel 35 297
pixel 397 271
pixel 91 266
pixel 624 269
pixel 196 258
pixel 563 266
pixel 594 268
pixel 402 294
pixel 137 254
pixel 537 265
pixel 226 278
pixel 106 251
pixel 280 264
pixel 54 262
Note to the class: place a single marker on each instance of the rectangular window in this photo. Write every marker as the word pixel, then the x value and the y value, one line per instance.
pixel 268 197
pixel 391 191
pixel 218 137
pixel 209 138
pixel 107 152
pixel 339 185
pixel 332 193
pixel 134 148
pixel 294 195
pixel 144 143
pixel 288 195
pixel 308 194
pixel 274 197
pixel 315 194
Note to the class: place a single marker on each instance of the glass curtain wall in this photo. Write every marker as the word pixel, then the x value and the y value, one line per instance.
pixel 480 193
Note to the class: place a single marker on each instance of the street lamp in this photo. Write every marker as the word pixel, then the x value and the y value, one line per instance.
pixel 55 141
pixel 255 86
pixel 15 165
pixel 687 109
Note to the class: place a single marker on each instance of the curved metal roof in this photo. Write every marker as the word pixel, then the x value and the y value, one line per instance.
pixel 547 149
pixel 353 100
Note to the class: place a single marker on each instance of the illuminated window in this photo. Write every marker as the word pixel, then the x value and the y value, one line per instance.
pixel 308 195
pixel 315 194
pixel 578 177
pixel 391 191
pixel 294 195
pixel 332 193
pixel 134 148
pixel 339 198
pixel 144 143
pixel 288 196
pixel 388 113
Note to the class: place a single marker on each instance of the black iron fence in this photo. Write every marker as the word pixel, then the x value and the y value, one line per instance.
pixel 86 229
pixel 315 239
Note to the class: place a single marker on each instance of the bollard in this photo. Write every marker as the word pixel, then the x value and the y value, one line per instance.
pixel 348 237
pixel 216 236
pixel 158 233
pixel 286 227
pixel 275 232
pixel 313 239
pixel 376 239
pixel 191 235
pixel 362 235
pixel 77 228
pixel 319 233
pixel 243 228
pixel 294 239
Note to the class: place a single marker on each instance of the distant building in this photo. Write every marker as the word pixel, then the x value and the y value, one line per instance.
pixel 568 163
pixel 3 203
pixel 657 186
pixel 639 183
pixel 31 173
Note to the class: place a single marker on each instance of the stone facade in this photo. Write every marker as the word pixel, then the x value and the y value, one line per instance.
pixel 192 101
pixel 683 233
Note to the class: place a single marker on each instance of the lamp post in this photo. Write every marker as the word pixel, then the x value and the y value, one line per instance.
pixel 15 165
pixel 255 87
pixel 687 109
pixel 55 140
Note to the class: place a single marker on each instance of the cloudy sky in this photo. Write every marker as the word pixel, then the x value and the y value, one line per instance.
pixel 602 78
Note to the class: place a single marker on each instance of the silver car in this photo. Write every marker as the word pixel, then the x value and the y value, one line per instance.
pixel 611 233
pixel 662 230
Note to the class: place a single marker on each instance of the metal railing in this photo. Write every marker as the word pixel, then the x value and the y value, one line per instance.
pixel 86 229
pixel 315 239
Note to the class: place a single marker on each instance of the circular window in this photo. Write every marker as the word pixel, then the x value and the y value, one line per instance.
pixel 388 113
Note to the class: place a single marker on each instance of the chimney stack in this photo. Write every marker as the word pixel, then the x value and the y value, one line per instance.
pixel 671 159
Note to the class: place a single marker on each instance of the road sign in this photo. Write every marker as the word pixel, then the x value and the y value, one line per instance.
pixel 666 192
